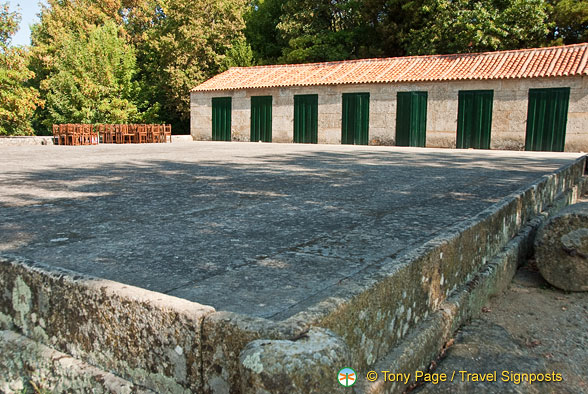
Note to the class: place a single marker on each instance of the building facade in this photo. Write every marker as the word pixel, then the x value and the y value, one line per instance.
pixel 534 99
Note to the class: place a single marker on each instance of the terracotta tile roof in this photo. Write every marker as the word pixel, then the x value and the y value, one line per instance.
pixel 525 63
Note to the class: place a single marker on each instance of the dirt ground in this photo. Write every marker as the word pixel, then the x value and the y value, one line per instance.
pixel 531 328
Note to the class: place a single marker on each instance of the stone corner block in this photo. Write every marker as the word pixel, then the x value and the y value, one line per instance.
pixel 308 364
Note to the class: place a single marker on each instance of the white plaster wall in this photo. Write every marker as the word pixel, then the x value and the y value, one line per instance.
pixel 508 119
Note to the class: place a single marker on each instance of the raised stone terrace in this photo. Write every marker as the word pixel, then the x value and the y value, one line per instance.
pixel 281 232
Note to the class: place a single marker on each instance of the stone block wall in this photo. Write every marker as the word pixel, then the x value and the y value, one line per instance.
pixel 509 115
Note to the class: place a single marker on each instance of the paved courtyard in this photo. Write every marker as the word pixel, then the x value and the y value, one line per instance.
pixel 260 229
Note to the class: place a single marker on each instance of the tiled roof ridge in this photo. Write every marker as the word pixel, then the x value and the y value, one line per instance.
pixel 543 62
pixel 411 57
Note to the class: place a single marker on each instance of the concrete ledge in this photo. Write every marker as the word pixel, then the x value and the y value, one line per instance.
pixel 149 338
pixel 26 363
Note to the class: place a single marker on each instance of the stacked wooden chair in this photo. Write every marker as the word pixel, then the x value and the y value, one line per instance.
pixel 87 134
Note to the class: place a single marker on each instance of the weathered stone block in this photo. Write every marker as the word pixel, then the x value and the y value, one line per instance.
pixel 308 364
pixel 561 249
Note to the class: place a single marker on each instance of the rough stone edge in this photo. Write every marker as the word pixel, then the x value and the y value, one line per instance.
pixel 26 360
pixel 226 334
pixel 424 344
pixel 149 338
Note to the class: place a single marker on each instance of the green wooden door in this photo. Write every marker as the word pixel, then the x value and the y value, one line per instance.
pixel 474 118
pixel 261 119
pixel 546 119
pixel 356 118
pixel 221 119
pixel 306 118
pixel 411 119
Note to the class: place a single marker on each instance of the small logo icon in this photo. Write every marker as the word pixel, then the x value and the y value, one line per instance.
pixel 346 377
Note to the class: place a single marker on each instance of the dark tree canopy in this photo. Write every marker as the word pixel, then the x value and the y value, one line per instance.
pixel 570 21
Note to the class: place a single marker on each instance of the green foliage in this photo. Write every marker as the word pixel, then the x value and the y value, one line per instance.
pixel 68 26
pixel 319 30
pixel 17 100
pixel 190 42
pixel 455 26
pixel 345 29
pixel 261 32
pixel 162 49
pixel 92 80
pixel 8 25
pixel 570 19
pixel 239 54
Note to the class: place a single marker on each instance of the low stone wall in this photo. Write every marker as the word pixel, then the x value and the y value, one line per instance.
pixel 26 140
pixel 374 314
pixel 148 338
pixel 182 138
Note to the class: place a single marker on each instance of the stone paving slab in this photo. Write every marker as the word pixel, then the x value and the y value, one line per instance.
pixel 259 229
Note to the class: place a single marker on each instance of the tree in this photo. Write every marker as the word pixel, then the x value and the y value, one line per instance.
pixel 319 30
pixel 457 26
pixel 176 44
pixel 190 42
pixel 261 30
pixel 17 100
pixel 92 80
pixel 570 21
pixel 67 26
pixel 323 30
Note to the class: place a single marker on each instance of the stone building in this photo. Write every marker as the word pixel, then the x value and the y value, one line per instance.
pixel 534 99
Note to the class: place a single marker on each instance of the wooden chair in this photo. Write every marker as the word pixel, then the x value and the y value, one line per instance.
pixel 126 134
pixel 101 129
pixel 94 137
pixel 118 138
pixel 141 133
pixel 78 134
pixel 167 132
pixel 111 132
pixel 152 133
pixel 69 132
pixel 161 132
pixel 63 133
pixel 56 135
pixel 85 134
